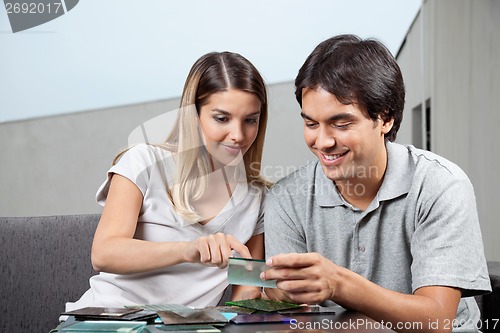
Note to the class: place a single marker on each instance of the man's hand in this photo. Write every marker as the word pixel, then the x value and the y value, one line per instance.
pixel 302 278
pixel 310 278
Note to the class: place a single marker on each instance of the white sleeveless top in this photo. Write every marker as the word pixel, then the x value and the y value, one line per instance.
pixel 188 284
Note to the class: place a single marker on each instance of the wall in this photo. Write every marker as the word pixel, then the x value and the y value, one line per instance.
pixel 54 165
pixel 462 79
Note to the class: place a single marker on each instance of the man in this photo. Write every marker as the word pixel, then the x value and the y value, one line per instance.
pixel 385 229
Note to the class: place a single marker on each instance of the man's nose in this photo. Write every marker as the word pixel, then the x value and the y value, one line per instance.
pixel 325 139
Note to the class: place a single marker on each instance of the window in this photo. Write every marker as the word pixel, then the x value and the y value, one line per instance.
pixel 421 133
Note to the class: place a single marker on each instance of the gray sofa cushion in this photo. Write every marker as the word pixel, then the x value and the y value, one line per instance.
pixel 490 303
pixel 45 263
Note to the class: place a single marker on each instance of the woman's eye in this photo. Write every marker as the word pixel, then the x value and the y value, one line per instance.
pixel 252 120
pixel 220 119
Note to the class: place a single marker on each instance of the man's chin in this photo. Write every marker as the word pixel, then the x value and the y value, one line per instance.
pixel 332 173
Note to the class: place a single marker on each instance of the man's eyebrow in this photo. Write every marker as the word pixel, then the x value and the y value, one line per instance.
pixel 305 116
pixel 337 117
pixel 343 116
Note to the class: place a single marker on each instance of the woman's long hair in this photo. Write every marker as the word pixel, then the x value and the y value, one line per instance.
pixel 212 73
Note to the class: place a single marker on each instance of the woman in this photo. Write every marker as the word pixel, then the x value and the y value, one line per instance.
pixel 174 213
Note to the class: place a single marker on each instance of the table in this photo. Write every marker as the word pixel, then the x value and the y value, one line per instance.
pixel 342 321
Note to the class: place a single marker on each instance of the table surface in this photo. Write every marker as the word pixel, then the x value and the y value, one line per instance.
pixel 342 321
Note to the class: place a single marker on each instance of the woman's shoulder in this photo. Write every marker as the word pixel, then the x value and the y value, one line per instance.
pixel 147 152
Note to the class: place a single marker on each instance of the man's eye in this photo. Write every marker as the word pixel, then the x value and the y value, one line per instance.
pixel 311 125
pixel 342 126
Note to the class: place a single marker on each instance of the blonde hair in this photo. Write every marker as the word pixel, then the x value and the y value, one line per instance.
pixel 214 72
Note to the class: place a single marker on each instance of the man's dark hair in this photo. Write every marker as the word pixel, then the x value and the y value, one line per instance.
pixel 356 71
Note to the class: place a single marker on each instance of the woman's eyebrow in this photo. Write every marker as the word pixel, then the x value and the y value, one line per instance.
pixel 256 113
pixel 220 111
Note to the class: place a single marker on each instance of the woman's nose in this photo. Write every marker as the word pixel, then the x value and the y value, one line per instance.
pixel 236 133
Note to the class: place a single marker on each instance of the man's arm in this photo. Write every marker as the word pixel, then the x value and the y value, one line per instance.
pixel 311 278
pixel 283 230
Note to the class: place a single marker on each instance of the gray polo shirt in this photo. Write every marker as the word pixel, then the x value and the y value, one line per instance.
pixel 420 230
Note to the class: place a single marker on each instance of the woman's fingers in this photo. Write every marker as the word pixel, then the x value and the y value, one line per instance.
pixel 215 250
pixel 239 247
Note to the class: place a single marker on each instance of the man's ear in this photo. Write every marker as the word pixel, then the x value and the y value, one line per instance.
pixel 386 125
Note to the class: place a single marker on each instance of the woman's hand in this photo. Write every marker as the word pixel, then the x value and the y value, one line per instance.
pixel 275 294
pixel 214 250
pixel 246 292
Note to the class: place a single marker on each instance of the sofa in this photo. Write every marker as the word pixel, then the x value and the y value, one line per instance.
pixel 489 304
pixel 46 262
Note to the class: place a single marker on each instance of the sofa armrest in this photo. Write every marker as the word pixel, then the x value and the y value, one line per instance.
pixel 45 263
pixel 489 304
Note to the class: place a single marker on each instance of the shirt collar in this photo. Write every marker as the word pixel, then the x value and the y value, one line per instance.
pixel 399 173
pixel 397 179
pixel 325 191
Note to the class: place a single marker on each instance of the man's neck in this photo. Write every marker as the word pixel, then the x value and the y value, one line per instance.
pixel 359 193
pixel 361 189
